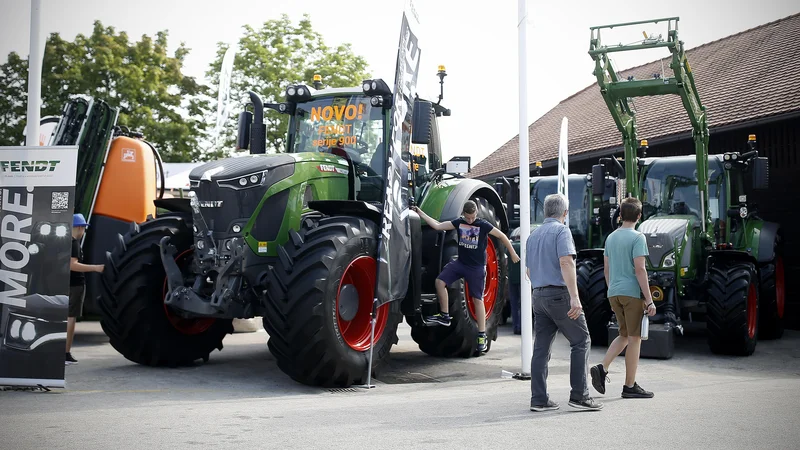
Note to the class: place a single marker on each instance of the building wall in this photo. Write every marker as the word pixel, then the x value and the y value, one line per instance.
pixel 780 142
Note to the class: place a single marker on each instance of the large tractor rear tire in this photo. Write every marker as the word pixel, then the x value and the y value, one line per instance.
pixel 592 292
pixel 772 298
pixel 131 303
pixel 732 318
pixel 460 339
pixel 321 294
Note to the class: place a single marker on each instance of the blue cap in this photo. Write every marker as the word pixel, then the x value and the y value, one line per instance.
pixel 79 221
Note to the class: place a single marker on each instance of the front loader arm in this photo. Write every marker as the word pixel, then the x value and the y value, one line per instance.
pixel 618 94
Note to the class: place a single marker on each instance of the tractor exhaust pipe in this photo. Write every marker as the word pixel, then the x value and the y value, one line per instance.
pixel 258 131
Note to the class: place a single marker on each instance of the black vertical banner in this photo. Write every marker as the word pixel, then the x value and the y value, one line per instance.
pixel 37 188
pixel 394 249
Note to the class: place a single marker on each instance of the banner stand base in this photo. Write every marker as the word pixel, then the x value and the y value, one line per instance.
pixel 516 376
pixel 373 319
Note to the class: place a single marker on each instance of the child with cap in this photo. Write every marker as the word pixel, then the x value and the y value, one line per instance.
pixel 77 280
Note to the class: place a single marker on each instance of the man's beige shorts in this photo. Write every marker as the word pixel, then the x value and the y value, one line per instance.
pixel 629 311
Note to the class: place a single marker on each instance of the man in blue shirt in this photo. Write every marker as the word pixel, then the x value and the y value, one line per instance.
pixel 550 265
pixel 629 295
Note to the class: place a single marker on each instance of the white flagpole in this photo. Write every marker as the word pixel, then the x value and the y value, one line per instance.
pixel 563 162
pixel 34 77
pixel 526 309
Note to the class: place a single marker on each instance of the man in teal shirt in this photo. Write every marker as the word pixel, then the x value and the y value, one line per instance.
pixel 629 295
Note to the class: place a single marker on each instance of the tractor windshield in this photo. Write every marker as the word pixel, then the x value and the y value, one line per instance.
pixel 670 188
pixel 345 123
pixel 578 205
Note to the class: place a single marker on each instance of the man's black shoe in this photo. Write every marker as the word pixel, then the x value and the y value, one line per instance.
pixel 635 392
pixel 599 378
pixel 549 406
pixel 587 404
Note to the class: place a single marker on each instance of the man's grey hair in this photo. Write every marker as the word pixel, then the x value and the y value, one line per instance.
pixel 555 205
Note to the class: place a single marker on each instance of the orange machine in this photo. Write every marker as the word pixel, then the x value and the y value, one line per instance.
pixel 128 186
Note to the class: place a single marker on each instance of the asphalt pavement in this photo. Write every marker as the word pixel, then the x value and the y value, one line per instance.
pixel 240 399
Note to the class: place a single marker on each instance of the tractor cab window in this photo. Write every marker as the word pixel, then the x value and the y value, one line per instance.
pixel 578 205
pixel 348 126
pixel 670 188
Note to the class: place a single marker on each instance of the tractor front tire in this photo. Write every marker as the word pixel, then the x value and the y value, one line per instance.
pixel 321 291
pixel 592 292
pixel 732 312
pixel 131 302
pixel 460 339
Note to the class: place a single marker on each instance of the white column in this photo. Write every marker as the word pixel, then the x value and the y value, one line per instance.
pixel 34 77
pixel 525 188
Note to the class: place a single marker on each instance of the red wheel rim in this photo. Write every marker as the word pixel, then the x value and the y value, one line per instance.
pixel 490 287
pixel 185 326
pixel 752 311
pixel 779 286
pixel 356 332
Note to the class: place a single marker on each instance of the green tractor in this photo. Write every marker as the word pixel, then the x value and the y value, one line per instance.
pixel 711 256
pixel 295 238
pixel 592 217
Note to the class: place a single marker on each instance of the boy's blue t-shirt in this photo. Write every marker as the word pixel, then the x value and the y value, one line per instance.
pixel 622 246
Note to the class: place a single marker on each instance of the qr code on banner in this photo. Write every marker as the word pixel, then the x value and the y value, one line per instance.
pixel 60 200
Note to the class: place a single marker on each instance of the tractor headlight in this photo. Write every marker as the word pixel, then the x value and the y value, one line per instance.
pixel 33 249
pixel 669 260
pixel 28 332
pixel 247 181
pixel 291 91
pixel 16 325
pixel 61 231
pixel 45 229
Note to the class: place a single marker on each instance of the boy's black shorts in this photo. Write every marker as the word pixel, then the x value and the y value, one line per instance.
pixel 76 294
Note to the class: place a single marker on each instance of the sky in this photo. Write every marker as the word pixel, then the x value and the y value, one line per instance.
pixel 477 43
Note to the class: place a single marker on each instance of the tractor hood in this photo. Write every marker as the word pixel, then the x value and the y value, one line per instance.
pixel 235 168
pixel 662 234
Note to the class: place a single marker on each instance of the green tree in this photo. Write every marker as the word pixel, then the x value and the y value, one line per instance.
pixel 272 57
pixel 139 78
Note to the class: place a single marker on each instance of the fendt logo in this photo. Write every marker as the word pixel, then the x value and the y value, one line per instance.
pixel 28 166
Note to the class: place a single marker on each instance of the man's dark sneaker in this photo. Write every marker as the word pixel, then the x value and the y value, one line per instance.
pixel 549 406
pixel 482 342
pixel 587 404
pixel 599 378
pixel 70 360
pixel 635 392
pixel 441 319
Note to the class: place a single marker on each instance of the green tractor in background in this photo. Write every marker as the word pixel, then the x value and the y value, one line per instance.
pixel 592 217
pixel 294 237
pixel 710 255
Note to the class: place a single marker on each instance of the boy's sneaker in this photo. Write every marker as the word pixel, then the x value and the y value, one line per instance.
pixel 599 378
pixel 70 360
pixel 441 318
pixel 588 404
pixel 482 342
pixel 549 406
pixel 635 392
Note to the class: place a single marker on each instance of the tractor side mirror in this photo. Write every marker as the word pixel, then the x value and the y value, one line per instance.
pixel 598 179
pixel 458 165
pixel 421 122
pixel 243 134
pixel 760 168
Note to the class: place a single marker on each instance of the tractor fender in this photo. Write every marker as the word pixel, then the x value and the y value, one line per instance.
pixel 591 253
pixel 728 255
pixel 178 205
pixel 468 188
pixel 766 241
